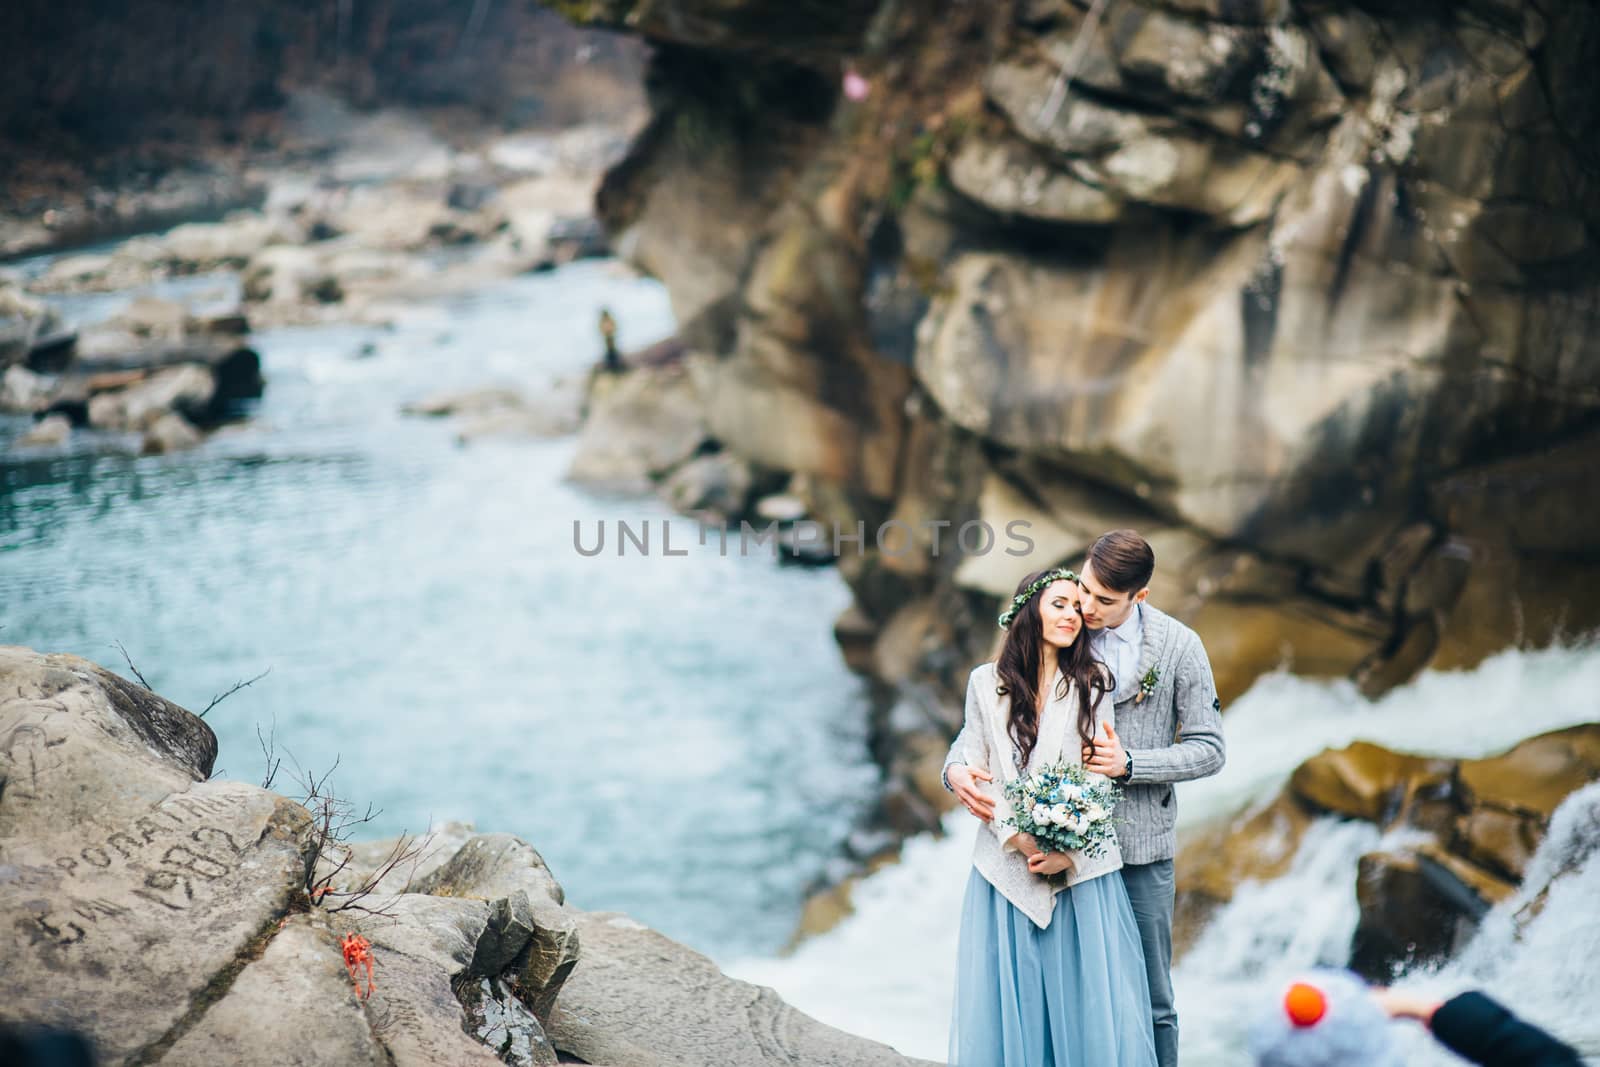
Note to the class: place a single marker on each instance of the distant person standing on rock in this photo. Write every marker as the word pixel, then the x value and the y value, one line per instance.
pixel 608 334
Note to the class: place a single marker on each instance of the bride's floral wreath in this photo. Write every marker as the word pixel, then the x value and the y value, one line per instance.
pixel 1059 574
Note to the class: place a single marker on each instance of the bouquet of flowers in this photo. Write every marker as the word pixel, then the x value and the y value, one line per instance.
pixel 1065 808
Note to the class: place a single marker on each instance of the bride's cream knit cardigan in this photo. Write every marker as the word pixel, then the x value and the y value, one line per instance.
pixel 984 742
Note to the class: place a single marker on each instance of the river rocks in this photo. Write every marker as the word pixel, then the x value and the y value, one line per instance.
pixel 533 206
pixel 1405 917
pixel 190 248
pixel 1528 783
pixel 25 322
pixel 187 387
pixel 170 432
pixel 160 368
pixel 473 402
pixel 24 392
pixel 200 246
pixel 286 274
pixel 639 425
pixel 400 216
pixel 495 411
pixel 641 999
pixel 719 484
pixel 49 431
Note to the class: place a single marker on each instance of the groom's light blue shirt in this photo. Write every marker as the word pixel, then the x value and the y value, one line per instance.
pixel 1118 648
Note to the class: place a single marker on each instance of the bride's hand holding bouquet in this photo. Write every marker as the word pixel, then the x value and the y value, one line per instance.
pixel 1058 810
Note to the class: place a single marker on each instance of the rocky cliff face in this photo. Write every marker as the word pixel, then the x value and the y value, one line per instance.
pixel 1304 290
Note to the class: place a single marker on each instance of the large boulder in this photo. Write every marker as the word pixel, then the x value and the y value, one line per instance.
pixel 529 933
pixel 1461 834
pixel 295 1000
pixel 204 246
pixel 186 389
pixel 639 425
pixel 1255 845
pixel 132 883
pixel 24 321
pixel 420 946
pixel 643 1000
pixel 175 918
pixel 1367 781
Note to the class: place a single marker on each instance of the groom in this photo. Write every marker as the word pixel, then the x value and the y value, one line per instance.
pixel 1169 729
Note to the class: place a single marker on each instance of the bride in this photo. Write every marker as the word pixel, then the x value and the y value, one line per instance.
pixel 1050 972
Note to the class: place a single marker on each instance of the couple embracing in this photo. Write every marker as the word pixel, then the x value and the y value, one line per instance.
pixel 1065 957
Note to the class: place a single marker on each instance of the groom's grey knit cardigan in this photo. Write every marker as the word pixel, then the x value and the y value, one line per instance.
pixel 1173 735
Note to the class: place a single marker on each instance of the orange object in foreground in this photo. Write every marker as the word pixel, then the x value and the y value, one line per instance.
pixel 358 951
pixel 1305 1004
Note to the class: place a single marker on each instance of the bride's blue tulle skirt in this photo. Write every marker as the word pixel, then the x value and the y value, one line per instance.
pixel 1071 995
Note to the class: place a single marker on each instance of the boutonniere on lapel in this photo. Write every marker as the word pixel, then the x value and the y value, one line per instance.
pixel 1147 685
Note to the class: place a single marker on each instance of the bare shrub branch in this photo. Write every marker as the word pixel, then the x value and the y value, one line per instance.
pixel 220 697
pixel 134 669
pixel 333 820
pixel 269 748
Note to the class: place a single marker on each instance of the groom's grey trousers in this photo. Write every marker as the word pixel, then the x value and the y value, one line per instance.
pixel 1150 891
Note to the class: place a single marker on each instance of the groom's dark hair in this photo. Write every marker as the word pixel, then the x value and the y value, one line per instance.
pixel 1123 560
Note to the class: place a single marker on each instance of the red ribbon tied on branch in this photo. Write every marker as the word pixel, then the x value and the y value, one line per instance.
pixel 358 953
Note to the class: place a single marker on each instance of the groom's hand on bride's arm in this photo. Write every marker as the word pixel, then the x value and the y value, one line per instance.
pixel 963 780
pixel 1107 756
pixel 1026 844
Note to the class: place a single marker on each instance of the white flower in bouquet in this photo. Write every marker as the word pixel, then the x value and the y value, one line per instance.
pixel 1040 813
pixel 1060 814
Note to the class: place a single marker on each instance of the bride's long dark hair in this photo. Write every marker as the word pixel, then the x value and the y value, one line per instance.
pixel 1017 669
